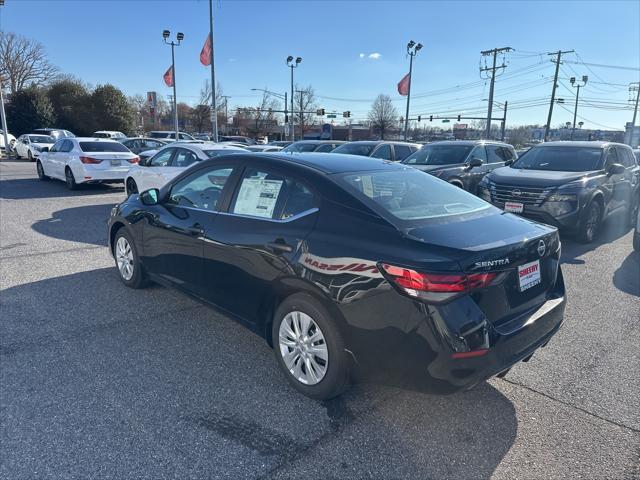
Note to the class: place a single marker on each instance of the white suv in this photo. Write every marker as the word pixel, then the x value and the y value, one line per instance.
pixel 86 160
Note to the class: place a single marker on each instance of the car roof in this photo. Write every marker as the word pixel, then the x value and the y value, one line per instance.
pixel 327 163
pixel 468 142
pixel 580 143
pixel 91 139
pixel 378 142
pixel 319 141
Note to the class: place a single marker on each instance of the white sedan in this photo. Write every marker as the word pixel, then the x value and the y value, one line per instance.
pixel 30 146
pixel 10 138
pixel 170 161
pixel 86 160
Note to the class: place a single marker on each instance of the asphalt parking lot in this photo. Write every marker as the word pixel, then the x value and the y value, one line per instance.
pixel 100 381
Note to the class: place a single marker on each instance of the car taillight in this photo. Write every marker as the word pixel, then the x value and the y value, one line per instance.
pixel 90 160
pixel 134 160
pixel 434 287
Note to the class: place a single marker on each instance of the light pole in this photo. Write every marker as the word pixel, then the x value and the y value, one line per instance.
pixel 4 123
pixel 277 95
pixel 179 38
pixel 412 50
pixel 292 64
pixel 226 117
pixel 214 107
pixel 576 84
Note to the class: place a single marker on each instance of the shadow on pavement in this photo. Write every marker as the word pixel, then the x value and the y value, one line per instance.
pixel 627 277
pixel 612 229
pixel 79 224
pixel 32 188
pixel 149 383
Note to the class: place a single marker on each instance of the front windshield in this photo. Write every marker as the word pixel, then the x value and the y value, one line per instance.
pixel 561 159
pixel 41 139
pixel 410 194
pixel 364 149
pixel 439 155
pixel 300 147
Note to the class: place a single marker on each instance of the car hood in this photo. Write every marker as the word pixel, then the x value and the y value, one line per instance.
pixel 535 178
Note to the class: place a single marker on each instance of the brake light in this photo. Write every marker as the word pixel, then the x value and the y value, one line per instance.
pixel 134 160
pixel 435 286
pixel 90 160
pixel 470 354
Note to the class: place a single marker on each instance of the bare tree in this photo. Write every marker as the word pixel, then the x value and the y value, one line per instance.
pixel 383 115
pixel 257 121
pixel 304 105
pixel 23 62
pixel 205 96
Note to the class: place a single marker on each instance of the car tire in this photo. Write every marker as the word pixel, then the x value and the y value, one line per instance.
pixel 69 179
pixel 127 260
pixel 40 170
pixel 304 367
pixel 632 214
pixel 30 156
pixel 130 187
pixel 590 224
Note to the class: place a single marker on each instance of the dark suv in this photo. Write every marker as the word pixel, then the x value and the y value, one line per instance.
pixel 462 163
pixel 571 185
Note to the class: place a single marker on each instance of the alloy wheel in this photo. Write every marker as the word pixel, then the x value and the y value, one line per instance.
pixel 124 258
pixel 592 221
pixel 303 348
pixel 40 170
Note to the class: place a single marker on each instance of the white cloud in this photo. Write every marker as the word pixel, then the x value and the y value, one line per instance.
pixel 362 55
pixel 374 56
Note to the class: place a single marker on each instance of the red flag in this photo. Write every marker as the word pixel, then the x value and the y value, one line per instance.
pixel 205 54
pixel 168 76
pixel 403 85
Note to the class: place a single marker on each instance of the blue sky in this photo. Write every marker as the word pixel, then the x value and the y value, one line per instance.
pixel 120 42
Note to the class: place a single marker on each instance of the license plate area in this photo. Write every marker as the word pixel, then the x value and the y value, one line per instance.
pixel 513 207
pixel 529 275
pixel 115 163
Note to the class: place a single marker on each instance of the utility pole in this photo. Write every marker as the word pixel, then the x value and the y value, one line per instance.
pixel 214 107
pixel 4 123
pixel 557 61
pixel 492 77
pixel 632 88
pixel 412 51
pixel 179 38
pixel 286 117
pixel 504 121
pixel 292 64
pixel 585 79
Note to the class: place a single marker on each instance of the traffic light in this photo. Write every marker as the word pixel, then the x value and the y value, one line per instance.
pixel 431 118
pixel 419 117
pixel 346 114
pixel 320 112
pixel 459 116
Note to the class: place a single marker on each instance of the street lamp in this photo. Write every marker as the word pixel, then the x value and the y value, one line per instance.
pixel 577 84
pixel 292 64
pixel 412 50
pixel 277 95
pixel 179 38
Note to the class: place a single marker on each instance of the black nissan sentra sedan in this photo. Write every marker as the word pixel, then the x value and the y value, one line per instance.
pixel 352 268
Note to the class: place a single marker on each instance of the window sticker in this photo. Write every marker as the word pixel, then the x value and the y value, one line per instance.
pixel 257 197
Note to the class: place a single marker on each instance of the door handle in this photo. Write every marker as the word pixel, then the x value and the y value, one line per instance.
pixel 279 246
pixel 195 230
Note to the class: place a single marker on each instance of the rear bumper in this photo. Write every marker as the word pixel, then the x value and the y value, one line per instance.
pixel 93 175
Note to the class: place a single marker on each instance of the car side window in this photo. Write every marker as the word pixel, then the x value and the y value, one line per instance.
pixel 625 159
pixel 202 189
pixel 479 152
pixel 56 146
pixel 161 159
pixel 326 147
pixel 612 157
pixel 506 153
pixel 383 152
pixel 183 158
pixel 402 152
pixel 67 146
pixel 493 155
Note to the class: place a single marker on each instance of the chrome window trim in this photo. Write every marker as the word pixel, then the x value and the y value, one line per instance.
pixel 292 218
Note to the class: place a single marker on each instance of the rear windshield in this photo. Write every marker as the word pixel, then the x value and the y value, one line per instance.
pixel 355 149
pixel 300 147
pixel 217 153
pixel 561 159
pixel 102 147
pixel 161 134
pixel 439 155
pixel 41 139
pixel 410 195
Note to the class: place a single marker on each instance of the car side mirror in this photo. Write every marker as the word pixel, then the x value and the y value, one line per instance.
pixel 150 197
pixel 615 169
pixel 508 162
pixel 474 162
pixel 44 149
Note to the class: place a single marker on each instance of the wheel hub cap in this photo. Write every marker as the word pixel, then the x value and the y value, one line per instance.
pixel 124 258
pixel 303 348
